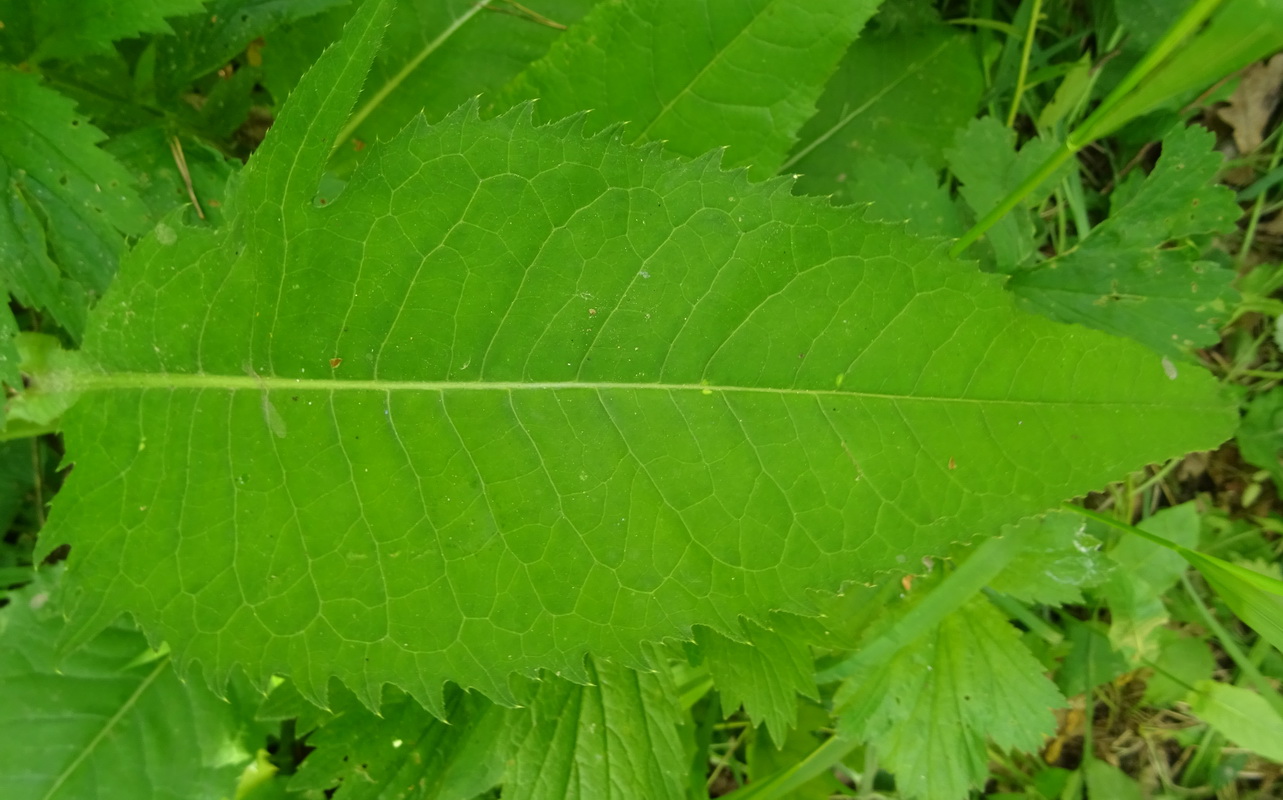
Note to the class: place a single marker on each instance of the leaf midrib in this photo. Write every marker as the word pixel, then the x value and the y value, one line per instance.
pixel 107 381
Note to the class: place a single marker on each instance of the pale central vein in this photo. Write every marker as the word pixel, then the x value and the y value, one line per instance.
pixel 103 381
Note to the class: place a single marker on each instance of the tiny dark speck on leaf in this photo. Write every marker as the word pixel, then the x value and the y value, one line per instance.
pixel 294 398
pixel 334 363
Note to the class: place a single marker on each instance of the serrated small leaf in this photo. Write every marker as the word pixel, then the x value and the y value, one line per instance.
pixel 697 74
pixel 902 96
pixel 110 721
pixel 405 753
pixel 54 177
pixel 616 737
pixel 931 708
pixel 1126 278
pixel 985 160
pixel 764 674
pixel 568 394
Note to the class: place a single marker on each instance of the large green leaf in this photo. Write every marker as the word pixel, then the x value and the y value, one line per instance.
pixel 698 74
pixel 516 395
pixel 109 721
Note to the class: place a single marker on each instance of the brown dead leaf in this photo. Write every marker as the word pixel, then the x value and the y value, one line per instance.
pixel 1252 103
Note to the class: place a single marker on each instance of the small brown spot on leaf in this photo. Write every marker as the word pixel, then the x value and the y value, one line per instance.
pixel 358 145
pixel 334 363
pixel 952 464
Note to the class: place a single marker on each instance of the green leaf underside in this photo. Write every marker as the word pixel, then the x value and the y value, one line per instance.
pixel 587 398
pixel 697 74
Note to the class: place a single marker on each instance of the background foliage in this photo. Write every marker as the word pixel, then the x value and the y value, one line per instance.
pixel 693 332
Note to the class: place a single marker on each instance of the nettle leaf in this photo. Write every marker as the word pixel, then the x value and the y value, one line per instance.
pixel 40 30
pixel 984 158
pixel 616 737
pixel 1126 278
pixel 405 752
pixel 54 177
pixel 931 708
pixel 517 395
pixel 765 674
pixel 111 720
pixel 697 74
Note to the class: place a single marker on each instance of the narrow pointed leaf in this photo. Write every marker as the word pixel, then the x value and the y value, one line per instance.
pixel 516 395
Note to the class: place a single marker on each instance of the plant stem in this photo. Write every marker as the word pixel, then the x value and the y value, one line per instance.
pixel 1095 125
pixel 399 78
pixel 1246 667
pixel 1023 74
pixel 965 582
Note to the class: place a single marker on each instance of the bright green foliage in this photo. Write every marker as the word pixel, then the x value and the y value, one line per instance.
pixel 110 720
pixel 42 30
pixel 615 738
pixel 1145 571
pixel 652 395
pixel 900 95
pixel 698 74
pixel 1240 715
pixel 984 159
pixel 1127 278
pixel 406 753
pixel 65 205
pixel 1058 560
pixel 931 708
pixel 765 674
